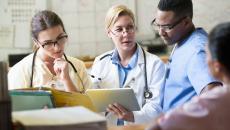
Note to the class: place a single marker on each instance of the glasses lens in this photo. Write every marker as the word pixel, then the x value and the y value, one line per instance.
pixel 62 40
pixel 48 45
pixel 121 30
pixel 157 27
pixel 130 29
pixel 167 27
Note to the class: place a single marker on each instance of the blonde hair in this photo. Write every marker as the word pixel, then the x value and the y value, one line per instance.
pixel 114 13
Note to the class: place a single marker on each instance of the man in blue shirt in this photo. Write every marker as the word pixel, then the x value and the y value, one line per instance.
pixel 187 73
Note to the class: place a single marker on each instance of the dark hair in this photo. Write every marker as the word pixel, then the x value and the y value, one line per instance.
pixel 219 44
pixel 181 8
pixel 43 20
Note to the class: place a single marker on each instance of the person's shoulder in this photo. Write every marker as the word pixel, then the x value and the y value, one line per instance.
pixel 152 57
pixel 26 61
pixel 217 92
pixel 199 32
pixel 104 56
pixel 199 38
pixel 196 42
pixel 22 65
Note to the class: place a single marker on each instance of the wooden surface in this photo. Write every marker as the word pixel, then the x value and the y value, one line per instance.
pixel 88 64
pixel 164 58
pixel 129 127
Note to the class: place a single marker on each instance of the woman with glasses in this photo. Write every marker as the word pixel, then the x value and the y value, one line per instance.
pixel 48 66
pixel 128 65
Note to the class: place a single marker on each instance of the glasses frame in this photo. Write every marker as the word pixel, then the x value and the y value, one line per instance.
pixel 53 42
pixel 128 30
pixel 166 27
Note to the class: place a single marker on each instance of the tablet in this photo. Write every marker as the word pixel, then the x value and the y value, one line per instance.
pixel 101 98
pixel 31 99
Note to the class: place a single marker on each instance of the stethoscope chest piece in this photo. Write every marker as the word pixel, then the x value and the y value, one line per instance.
pixel 148 94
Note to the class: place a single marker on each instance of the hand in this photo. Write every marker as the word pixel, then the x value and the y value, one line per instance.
pixel 61 68
pixel 121 112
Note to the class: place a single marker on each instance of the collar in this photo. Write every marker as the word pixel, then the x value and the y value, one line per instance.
pixel 133 61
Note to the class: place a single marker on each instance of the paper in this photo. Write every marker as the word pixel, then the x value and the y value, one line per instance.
pixel 65 99
pixel 70 118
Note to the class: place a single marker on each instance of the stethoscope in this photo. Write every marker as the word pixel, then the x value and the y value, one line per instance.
pixel 75 70
pixel 147 93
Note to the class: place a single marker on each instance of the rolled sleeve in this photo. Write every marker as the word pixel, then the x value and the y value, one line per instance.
pixel 198 72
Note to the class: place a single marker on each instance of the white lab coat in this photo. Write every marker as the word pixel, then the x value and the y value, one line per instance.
pixel 108 72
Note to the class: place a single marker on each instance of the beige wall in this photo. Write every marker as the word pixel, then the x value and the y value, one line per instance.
pixel 84 21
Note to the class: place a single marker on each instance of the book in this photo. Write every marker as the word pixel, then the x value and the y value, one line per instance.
pixel 68 118
pixel 59 98
pixel 62 99
pixel 96 100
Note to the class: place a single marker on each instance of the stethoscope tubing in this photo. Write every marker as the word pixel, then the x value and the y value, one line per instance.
pixel 33 64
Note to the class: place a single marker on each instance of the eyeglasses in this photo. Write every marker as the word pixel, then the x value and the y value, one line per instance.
pixel 119 31
pixel 166 27
pixel 61 40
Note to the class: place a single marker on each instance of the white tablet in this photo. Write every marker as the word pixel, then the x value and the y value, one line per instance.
pixel 101 98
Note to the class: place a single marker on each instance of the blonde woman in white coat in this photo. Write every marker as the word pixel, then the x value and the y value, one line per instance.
pixel 125 67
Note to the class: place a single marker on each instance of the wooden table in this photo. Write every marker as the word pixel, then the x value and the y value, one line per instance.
pixel 129 127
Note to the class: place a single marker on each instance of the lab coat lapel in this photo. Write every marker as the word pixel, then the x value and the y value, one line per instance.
pixel 114 75
pixel 137 70
pixel 132 76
